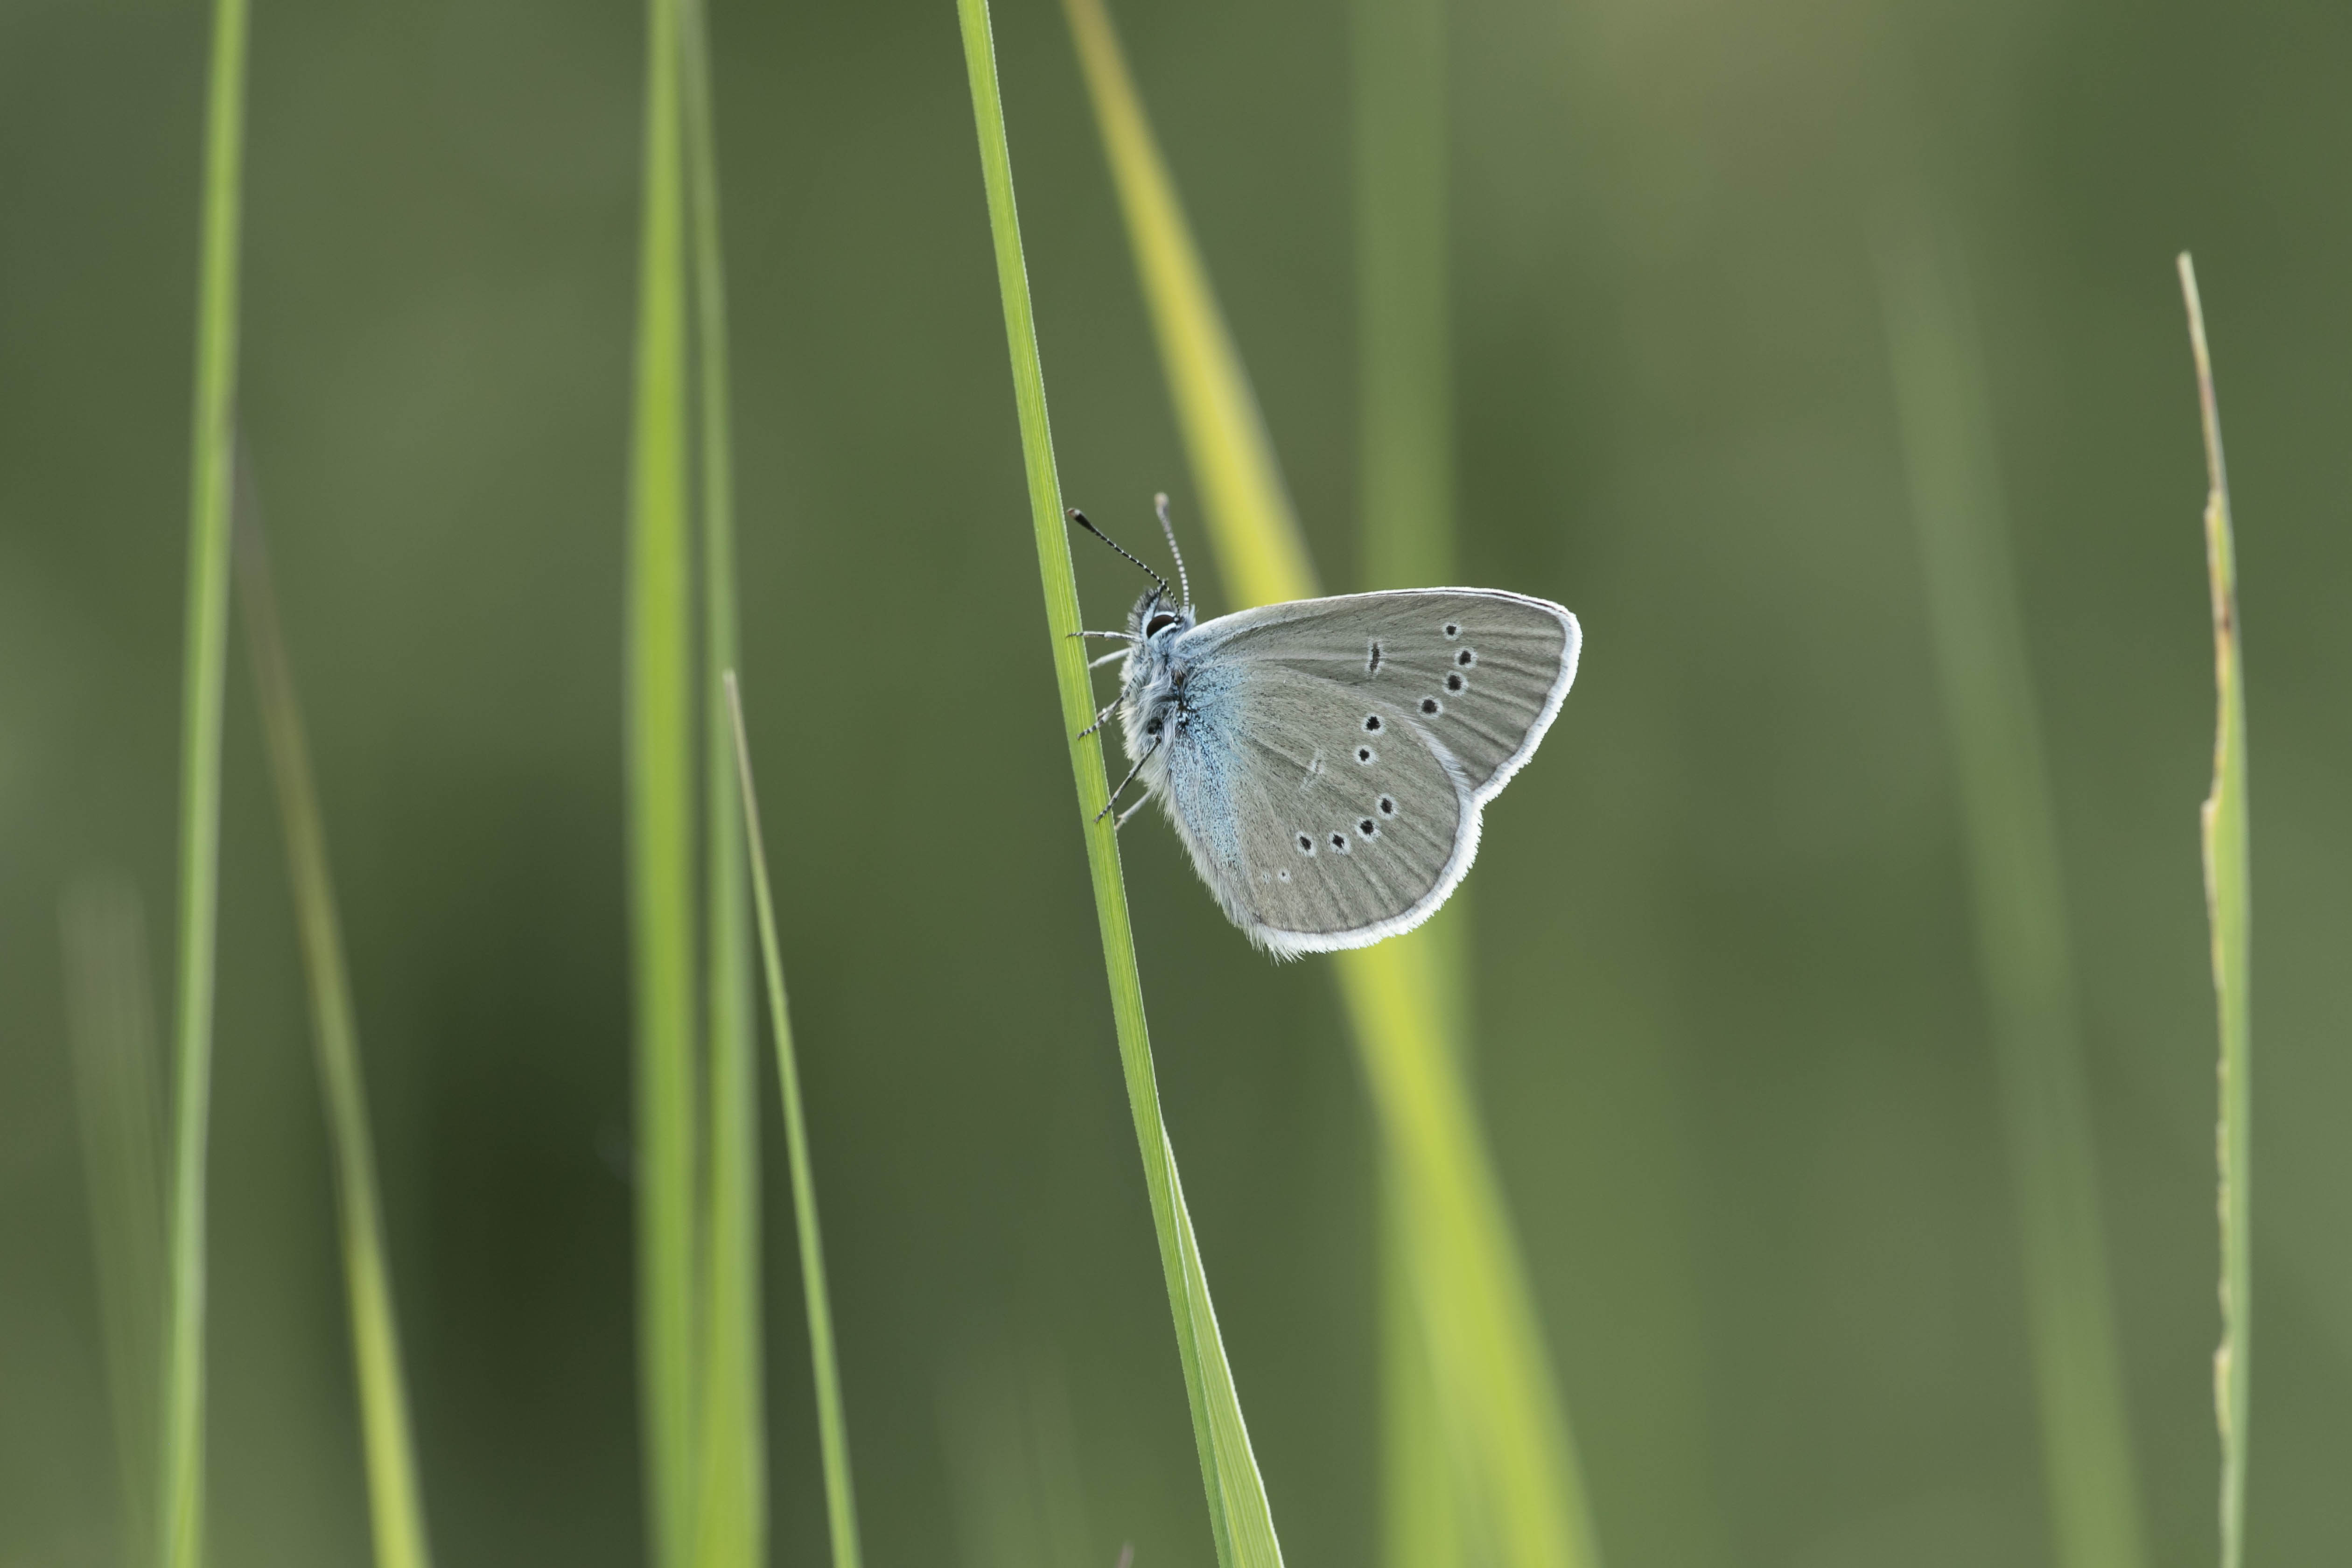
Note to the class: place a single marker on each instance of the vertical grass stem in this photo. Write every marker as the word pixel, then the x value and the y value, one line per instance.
pixel 660 707
pixel 181 1469
pixel 833 1430
pixel 395 1503
pixel 730 1494
pixel 2229 908
pixel 1995 735
pixel 1239 1518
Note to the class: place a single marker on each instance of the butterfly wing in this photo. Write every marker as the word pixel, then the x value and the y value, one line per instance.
pixel 1330 784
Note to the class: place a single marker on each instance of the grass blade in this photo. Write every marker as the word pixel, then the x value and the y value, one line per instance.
pixel 1404 486
pixel 732 1496
pixel 110 1011
pixel 1494 1385
pixel 2021 917
pixel 2229 908
pixel 1238 1514
pixel 181 1466
pixel 395 1504
pixel 832 1432
pixel 660 770
pixel 1224 439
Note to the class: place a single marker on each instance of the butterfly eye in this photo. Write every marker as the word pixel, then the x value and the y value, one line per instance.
pixel 1157 624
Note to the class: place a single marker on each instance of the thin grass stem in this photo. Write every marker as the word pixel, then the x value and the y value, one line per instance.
pixel 1995 733
pixel 180 1512
pixel 1497 1393
pixel 396 1502
pixel 732 1523
pixel 111 1025
pixel 2229 902
pixel 1238 1514
pixel 832 1428
pixel 661 799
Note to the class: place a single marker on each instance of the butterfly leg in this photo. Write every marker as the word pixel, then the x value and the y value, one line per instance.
pixel 1120 821
pixel 1126 781
pixel 1100 719
pixel 1116 653
pixel 1121 637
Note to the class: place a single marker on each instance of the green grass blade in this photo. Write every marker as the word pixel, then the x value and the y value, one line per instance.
pixel 731 1522
pixel 1404 488
pixel 2228 907
pixel 660 771
pixel 181 1467
pixel 1995 735
pixel 833 1431
pixel 1238 1514
pixel 1495 1384
pixel 395 1503
pixel 112 1026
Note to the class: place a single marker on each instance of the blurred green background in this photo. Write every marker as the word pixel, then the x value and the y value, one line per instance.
pixel 1730 1037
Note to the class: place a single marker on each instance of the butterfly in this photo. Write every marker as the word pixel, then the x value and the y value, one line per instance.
pixel 1326 761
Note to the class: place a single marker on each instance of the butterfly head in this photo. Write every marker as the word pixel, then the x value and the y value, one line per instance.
pixel 1157 617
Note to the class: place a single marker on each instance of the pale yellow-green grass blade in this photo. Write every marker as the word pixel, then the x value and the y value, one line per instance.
pixel 660 766
pixel 833 1430
pixel 1238 1514
pixel 1224 438
pixel 1497 1395
pixel 180 1511
pixel 111 1024
pixel 1494 1381
pixel 2229 908
pixel 731 1492
pixel 395 1503
pixel 1404 467
pixel 2022 952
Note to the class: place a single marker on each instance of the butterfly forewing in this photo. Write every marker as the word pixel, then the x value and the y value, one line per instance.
pixel 1330 792
pixel 1484 671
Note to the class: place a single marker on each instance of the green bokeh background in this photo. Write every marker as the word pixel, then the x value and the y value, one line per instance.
pixel 1730 1042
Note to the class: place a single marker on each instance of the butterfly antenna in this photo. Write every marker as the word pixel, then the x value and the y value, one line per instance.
pixel 1080 518
pixel 1160 505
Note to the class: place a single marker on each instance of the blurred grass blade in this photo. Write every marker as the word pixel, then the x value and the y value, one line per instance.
pixel 1495 1385
pixel 395 1505
pixel 1493 1381
pixel 832 1433
pixel 112 1026
pixel 1404 486
pixel 1238 1514
pixel 1995 736
pixel 1224 438
pixel 660 770
pixel 1012 1465
pixel 732 1494
pixel 180 1513
pixel 2229 908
